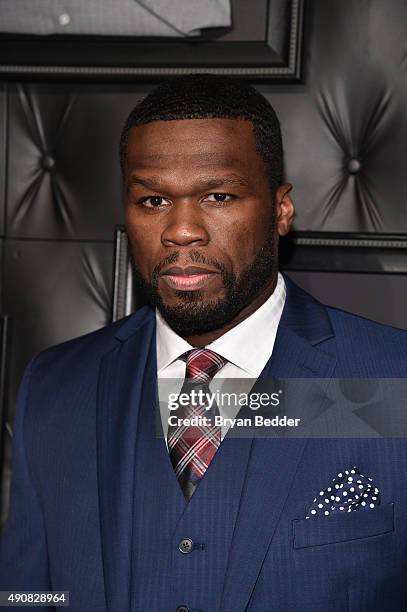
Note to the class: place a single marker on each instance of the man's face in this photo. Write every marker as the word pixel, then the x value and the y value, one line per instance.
pixel 201 219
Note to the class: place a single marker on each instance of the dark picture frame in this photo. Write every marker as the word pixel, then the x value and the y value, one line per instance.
pixel 274 57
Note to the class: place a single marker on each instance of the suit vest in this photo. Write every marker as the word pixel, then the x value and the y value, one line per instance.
pixel 164 524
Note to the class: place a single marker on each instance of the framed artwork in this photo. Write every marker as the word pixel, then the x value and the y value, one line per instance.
pixel 344 252
pixel 263 42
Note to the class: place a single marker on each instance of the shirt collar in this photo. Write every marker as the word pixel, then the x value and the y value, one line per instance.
pixel 169 344
pixel 248 345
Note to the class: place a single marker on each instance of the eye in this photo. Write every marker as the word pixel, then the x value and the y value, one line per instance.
pixel 218 197
pixel 153 202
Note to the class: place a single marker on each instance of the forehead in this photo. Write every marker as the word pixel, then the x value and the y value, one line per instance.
pixel 220 142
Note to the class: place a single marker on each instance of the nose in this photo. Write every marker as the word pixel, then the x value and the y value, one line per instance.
pixel 185 227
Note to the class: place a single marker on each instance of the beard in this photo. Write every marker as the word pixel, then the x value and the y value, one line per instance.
pixel 194 316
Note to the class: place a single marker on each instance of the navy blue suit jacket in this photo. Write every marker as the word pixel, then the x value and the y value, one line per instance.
pixel 73 456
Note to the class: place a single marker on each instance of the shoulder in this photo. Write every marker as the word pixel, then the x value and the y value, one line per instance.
pixel 362 347
pixel 85 352
pixel 66 376
pixel 368 345
pixel 343 321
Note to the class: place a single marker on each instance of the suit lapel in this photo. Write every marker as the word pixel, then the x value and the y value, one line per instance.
pixel 300 351
pixel 126 377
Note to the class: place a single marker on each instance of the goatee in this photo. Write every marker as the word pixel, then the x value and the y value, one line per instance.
pixel 194 316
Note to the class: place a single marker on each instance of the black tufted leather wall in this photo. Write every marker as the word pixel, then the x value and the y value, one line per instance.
pixel 63 201
pixel 345 133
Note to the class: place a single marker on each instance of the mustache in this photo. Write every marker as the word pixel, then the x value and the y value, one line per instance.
pixel 193 257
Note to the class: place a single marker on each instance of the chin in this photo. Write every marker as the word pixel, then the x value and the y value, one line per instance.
pixel 193 299
pixel 196 316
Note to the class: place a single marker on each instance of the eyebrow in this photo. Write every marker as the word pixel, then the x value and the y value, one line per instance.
pixel 208 182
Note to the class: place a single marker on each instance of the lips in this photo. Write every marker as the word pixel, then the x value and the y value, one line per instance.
pixel 188 271
pixel 189 278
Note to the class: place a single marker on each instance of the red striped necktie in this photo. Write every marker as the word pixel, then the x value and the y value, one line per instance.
pixel 192 448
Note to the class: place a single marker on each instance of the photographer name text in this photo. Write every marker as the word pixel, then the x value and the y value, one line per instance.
pixel 221 421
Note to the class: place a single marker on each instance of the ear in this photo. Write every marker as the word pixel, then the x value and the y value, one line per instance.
pixel 285 208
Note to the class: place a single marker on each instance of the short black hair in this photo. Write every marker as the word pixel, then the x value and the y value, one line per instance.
pixel 211 96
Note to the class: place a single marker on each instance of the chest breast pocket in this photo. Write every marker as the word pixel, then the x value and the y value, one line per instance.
pixel 343 527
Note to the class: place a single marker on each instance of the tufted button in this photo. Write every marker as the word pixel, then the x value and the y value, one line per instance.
pixel 182 609
pixel 64 19
pixel 186 546
pixel 354 166
pixel 47 162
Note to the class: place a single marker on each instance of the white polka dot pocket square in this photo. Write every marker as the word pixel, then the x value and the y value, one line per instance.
pixel 349 491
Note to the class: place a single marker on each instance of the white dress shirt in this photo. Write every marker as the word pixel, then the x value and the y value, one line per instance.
pixel 247 347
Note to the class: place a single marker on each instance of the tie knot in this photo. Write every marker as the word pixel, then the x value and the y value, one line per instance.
pixel 202 364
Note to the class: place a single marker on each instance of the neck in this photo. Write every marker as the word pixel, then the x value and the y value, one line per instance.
pixel 201 340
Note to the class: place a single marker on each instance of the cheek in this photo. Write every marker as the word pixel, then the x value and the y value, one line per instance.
pixel 242 242
pixel 143 246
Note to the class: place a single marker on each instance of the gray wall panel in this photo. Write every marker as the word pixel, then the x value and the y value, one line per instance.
pixel 54 291
pixel 63 161
pixel 352 106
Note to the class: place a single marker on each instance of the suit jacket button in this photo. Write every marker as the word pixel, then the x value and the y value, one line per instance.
pixel 182 609
pixel 185 546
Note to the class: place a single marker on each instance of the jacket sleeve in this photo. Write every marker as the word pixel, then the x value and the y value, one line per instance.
pixel 23 545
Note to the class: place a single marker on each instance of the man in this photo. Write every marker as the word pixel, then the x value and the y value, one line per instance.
pixel 198 519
